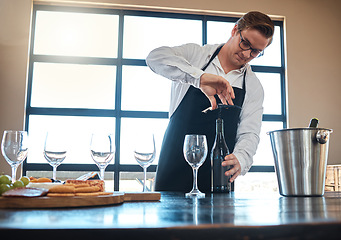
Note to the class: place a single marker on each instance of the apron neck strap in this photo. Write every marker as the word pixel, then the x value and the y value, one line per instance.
pixel 212 57
pixel 244 86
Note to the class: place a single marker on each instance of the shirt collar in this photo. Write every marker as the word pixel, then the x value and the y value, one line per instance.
pixel 241 70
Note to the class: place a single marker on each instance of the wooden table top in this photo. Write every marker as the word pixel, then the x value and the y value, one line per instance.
pixel 238 215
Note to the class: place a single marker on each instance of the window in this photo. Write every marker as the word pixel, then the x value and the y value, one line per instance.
pixel 87 73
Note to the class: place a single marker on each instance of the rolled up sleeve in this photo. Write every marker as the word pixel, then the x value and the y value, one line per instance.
pixel 176 63
pixel 247 139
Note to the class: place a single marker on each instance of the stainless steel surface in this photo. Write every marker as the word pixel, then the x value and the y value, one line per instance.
pixel 300 156
pixel 322 136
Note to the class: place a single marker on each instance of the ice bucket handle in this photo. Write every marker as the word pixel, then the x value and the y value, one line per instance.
pixel 322 136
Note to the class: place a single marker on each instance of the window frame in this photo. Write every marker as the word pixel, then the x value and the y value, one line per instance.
pixel 119 62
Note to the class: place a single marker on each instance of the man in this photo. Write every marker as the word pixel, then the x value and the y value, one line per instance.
pixel 202 75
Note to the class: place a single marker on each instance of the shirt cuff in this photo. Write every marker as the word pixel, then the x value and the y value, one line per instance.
pixel 244 165
pixel 191 74
pixel 197 79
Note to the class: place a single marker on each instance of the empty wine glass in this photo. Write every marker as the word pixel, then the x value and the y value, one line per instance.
pixel 55 149
pixel 144 153
pixel 102 148
pixel 195 152
pixel 14 148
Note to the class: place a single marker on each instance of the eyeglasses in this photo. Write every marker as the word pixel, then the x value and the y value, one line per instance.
pixel 245 45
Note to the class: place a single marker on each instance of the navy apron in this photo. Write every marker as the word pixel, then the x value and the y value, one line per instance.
pixel 173 172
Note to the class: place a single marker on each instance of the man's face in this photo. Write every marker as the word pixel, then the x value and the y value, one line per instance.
pixel 253 38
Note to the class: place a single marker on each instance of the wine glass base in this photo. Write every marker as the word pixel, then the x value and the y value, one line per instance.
pixel 195 193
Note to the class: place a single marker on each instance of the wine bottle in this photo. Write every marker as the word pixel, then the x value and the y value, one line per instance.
pixel 219 182
pixel 313 123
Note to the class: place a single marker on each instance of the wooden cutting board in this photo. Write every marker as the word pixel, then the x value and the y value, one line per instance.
pixel 59 202
pixel 78 201
pixel 141 196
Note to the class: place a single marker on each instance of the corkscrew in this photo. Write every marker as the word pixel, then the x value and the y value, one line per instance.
pixel 220 107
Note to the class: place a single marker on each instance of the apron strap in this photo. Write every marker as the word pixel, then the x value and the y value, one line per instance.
pixel 244 77
pixel 212 57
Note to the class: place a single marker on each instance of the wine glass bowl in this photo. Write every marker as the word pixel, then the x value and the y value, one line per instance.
pixel 144 159
pixel 55 150
pixel 194 156
pixel 144 153
pixel 102 149
pixel 14 148
pixel 195 152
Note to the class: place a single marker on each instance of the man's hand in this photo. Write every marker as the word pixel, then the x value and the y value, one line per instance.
pixel 211 84
pixel 231 160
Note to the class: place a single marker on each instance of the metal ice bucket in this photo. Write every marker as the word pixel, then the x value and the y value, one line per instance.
pixel 300 156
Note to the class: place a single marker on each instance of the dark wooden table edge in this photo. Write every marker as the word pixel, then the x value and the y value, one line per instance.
pixel 324 230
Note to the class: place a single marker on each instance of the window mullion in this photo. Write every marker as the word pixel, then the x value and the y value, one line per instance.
pixel 118 101
pixel 204 30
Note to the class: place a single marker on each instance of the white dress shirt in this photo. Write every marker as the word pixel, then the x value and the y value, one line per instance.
pixel 182 65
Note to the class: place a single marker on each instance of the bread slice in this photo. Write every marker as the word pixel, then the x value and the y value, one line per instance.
pixel 91 183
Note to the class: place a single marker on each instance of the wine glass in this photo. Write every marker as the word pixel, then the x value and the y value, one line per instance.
pixel 102 148
pixel 55 149
pixel 195 152
pixel 144 153
pixel 14 147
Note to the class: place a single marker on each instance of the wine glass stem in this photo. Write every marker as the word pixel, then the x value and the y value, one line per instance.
pixel 14 173
pixel 195 178
pixel 54 173
pixel 144 179
pixel 102 173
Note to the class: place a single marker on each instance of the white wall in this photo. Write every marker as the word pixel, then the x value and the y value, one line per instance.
pixel 313 37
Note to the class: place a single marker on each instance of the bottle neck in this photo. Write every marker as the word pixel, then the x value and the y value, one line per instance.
pixel 220 128
pixel 313 123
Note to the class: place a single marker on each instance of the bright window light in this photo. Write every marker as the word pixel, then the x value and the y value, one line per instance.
pixel 76 34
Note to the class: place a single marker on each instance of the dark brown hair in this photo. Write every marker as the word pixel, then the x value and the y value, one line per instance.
pixel 258 21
